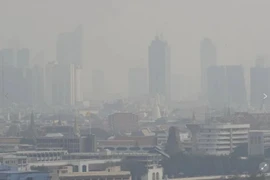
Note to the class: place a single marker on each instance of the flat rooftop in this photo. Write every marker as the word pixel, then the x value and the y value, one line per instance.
pixel 96 173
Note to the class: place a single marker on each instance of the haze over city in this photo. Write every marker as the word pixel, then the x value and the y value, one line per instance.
pixel 116 34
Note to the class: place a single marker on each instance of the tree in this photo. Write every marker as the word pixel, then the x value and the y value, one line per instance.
pixel 173 143
pixel 137 169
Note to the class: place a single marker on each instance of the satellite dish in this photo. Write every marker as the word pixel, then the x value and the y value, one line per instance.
pixel 263 167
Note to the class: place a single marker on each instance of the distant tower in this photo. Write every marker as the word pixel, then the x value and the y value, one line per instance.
pixel 208 57
pixel 159 68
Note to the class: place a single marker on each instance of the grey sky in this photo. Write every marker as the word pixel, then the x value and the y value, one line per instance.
pixel 117 32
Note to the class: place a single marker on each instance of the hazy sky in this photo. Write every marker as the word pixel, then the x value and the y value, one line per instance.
pixel 117 32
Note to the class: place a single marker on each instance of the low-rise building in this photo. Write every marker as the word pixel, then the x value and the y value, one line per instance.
pixel 258 141
pixel 217 139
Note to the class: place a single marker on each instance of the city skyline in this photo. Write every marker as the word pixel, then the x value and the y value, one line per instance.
pixel 105 39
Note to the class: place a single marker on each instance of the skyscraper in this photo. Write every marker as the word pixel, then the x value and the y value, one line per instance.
pixel 259 84
pixel 208 57
pixel 217 88
pixel 48 85
pixel 98 84
pixel 23 57
pixel 137 82
pixel 7 57
pixel 63 84
pixel 226 87
pixel 69 47
pixel 237 95
pixel 37 85
pixel 159 68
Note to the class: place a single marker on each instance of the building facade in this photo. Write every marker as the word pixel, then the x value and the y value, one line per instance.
pixel 217 139
pixel 258 141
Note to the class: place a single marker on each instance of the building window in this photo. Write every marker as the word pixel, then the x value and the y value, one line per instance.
pixel 84 168
pixel 75 169
pixel 157 176
pixel 153 176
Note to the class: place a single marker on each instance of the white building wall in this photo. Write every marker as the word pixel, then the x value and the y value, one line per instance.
pixel 153 173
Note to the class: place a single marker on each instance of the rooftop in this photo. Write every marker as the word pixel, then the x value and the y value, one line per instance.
pixel 96 173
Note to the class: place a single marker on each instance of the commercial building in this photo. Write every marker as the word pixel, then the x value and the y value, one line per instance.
pixel 258 142
pixel 217 139
pixel 71 144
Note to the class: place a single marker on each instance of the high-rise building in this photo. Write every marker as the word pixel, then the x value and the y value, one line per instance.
pixel 137 82
pixel 69 47
pixel 159 68
pixel 226 87
pixel 98 84
pixel 217 87
pixel 23 56
pixel 259 85
pixel 7 57
pixel 237 95
pixel 48 85
pixel 208 57
pixel 63 84
pixel 38 85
